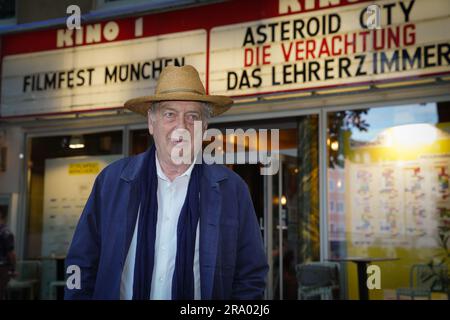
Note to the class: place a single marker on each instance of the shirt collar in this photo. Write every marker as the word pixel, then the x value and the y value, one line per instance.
pixel 163 176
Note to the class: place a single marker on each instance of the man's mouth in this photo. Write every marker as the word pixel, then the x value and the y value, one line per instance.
pixel 178 140
pixel 179 137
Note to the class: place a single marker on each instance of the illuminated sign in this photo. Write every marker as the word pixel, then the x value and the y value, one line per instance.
pixel 94 77
pixel 330 47
pixel 241 48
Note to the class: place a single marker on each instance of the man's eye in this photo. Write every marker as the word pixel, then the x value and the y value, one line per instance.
pixel 169 114
pixel 193 117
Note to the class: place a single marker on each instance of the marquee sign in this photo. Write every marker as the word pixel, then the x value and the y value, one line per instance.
pixel 241 48
pixel 94 77
pixel 331 47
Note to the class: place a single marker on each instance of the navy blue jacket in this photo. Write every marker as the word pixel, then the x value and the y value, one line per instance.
pixel 233 264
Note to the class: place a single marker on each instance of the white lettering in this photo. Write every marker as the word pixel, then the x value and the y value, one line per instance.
pixel 181 153
pixel 74 280
pixel 94 33
pixel 89 34
pixel 291 6
pixel 74 20
pixel 79 36
pixel 284 6
pixel 138 27
pixel 111 31
pixel 374 278
pixel 64 38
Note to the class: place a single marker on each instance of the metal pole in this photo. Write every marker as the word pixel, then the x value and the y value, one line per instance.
pixel 280 227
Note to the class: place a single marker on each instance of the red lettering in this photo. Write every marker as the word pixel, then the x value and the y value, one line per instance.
pixel 286 54
pixel 310 47
pixel 299 50
pixel 266 54
pixel 350 45
pixel 376 37
pixel 256 56
pixel 409 38
pixel 324 50
pixel 364 35
pixel 248 57
pixel 333 45
pixel 393 37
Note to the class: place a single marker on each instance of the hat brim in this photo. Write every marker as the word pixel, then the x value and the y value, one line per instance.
pixel 140 105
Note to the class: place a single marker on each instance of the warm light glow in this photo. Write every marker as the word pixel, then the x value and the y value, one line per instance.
pixel 283 200
pixel 76 146
pixel 411 135
pixel 76 142
pixel 334 145
pixel 339 184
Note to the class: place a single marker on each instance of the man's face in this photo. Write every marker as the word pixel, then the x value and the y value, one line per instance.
pixel 170 118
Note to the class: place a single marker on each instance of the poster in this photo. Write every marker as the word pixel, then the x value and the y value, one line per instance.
pixel 67 185
pixel 399 203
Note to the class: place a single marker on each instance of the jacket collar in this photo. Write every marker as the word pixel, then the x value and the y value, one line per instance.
pixel 134 166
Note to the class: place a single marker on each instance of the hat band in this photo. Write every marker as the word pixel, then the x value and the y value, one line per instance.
pixel 181 90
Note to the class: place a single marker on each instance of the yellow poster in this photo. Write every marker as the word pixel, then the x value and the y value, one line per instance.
pixel 84 168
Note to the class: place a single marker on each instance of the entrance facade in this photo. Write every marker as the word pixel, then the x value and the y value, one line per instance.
pixel 307 211
pixel 362 118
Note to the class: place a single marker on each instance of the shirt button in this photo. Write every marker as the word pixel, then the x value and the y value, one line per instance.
pixel 163 248
pixel 161 278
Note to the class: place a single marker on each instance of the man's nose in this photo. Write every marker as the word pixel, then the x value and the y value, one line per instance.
pixel 181 122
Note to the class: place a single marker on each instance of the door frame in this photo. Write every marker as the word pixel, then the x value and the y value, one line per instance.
pixel 268 207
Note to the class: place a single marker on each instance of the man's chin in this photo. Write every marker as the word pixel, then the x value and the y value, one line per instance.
pixel 178 151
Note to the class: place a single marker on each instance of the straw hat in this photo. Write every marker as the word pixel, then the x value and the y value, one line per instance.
pixel 179 83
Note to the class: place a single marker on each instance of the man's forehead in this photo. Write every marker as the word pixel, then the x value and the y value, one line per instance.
pixel 181 105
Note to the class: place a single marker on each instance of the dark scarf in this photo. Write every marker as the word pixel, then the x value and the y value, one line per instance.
pixel 183 277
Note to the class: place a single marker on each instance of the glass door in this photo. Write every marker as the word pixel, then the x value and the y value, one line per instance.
pixel 292 208
pixel 286 203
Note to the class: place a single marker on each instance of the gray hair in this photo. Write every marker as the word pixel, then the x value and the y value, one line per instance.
pixel 207 109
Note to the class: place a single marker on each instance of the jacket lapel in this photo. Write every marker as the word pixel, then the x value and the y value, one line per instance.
pixel 210 210
pixel 130 176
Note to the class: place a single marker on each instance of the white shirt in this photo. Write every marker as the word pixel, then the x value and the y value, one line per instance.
pixel 171 197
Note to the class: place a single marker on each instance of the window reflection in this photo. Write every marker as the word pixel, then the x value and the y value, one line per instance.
pixel 388 188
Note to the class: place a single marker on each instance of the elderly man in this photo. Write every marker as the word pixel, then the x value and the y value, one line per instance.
pixel 155 228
